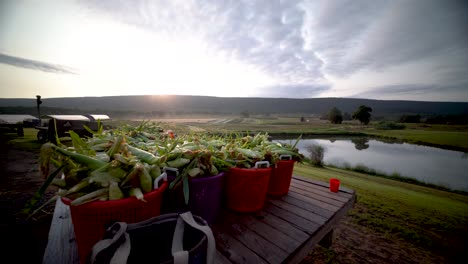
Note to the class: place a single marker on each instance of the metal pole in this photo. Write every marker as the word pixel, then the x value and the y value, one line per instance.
pixel 38 99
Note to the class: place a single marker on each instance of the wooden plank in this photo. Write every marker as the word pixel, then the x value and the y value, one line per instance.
pixel 306 199
pixel 321 188
pixel 282 225
pixel 221 259
pixel 300 212
pixel 270 233
pixel 322 191
pixel 324 230
pixel 233 250
pixel 309 207
pixel 301 223
pixel 324 184
pixel 262 247
pixel 61 245
pixel 317 196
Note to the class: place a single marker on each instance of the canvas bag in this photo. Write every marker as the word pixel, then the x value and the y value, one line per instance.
pixel 170 238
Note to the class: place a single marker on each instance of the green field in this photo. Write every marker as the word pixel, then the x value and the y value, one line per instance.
pixel 434 220
pixel 455 137
pixel 27 142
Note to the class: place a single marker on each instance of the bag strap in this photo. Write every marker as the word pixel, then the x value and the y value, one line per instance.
pixel 117 230
pixel 180 255
pixel 122 253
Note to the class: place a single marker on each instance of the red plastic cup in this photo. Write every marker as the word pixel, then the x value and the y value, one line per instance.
pixel 334 185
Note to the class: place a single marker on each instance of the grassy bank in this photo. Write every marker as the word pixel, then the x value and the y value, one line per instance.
pixel 394 176
pixel 432 219
pixel 442 136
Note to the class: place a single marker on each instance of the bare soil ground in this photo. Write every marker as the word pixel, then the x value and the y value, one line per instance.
pixel 26 239
pixel 353 243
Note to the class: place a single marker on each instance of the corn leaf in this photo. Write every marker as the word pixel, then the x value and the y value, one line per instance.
pixel 38 195
pixel 186 189
pixel 79 145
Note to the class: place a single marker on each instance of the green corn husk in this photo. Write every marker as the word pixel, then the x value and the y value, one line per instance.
pixel 93 196
pixel 143 155
pixel 114 191
pixel 177 163
pixel 136 192
pixel 146 182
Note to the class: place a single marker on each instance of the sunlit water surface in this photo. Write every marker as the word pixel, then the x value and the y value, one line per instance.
pixel 431 165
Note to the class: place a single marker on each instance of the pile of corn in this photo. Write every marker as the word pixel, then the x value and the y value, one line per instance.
pixel 124 162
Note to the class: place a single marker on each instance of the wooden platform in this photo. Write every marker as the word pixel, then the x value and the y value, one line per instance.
pixel 283 232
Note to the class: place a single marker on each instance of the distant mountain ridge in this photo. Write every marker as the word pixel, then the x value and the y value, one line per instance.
pixel 234 105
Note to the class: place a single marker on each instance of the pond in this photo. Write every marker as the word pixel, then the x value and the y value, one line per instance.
pixel 427 164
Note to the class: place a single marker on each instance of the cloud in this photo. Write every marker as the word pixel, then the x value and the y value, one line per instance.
pixel 291 91
pixel 302 43
pixel 415 92
pixel 352 35
pixel 35 65
pixel 266 34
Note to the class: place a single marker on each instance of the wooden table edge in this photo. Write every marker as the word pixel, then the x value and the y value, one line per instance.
pixel 306 247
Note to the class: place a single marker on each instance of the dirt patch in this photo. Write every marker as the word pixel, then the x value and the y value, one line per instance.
pixel 19 180
pixel 353 243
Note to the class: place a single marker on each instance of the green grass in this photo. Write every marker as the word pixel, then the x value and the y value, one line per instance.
pixel 439 138
pixel 394 176
pixel 28 142
pixel 432 219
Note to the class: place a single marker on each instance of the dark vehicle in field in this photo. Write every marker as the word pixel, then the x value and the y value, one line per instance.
pixel 62 124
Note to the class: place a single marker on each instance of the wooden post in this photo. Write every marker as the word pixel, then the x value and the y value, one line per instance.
pixel 19 130
pixel 327 240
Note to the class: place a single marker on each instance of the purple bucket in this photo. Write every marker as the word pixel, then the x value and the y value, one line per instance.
pixel 205 197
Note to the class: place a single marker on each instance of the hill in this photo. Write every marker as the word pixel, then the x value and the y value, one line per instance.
pixel 178 104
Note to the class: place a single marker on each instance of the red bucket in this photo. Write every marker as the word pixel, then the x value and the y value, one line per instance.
pixel 246 189
pixel 90 220
pixel 280 179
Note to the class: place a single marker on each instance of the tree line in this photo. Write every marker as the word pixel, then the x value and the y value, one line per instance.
pixel 363 114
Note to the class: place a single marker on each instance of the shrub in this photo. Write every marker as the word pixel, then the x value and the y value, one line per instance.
pixel 389 125
pixel 335 116
pixel 410 119
pixel 316 154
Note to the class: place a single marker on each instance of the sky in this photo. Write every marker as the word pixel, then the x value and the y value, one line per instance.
pixel 386 50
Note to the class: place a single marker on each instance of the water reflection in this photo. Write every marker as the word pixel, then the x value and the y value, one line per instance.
pixel 360 143
pixel 428 164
